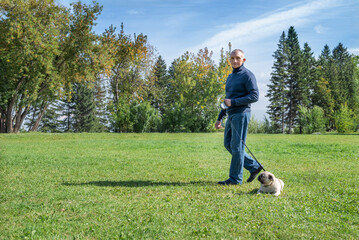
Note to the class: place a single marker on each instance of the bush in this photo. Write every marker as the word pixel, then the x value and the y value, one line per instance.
pixel 179 117
pixel 344 119
pixel 254 126
pixel 266 126
pixel 144 118
pixel 120 116
pixel 311 120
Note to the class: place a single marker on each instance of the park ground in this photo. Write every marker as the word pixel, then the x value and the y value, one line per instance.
pixel 163 186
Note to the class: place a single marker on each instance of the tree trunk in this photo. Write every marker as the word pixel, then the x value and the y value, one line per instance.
pixel 32 119
pixel 2 124
pixel 2 120
pixel 17 118
pixel 116 91
pixel 8 121
pixel 41 114
pixel 282 123
pixel 20 119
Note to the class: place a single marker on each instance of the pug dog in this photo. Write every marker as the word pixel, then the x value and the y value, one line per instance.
pixel 270 184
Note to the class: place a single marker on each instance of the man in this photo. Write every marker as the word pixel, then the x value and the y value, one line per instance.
pixel 241 91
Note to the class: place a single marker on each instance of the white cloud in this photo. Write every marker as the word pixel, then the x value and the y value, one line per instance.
pixel 320 29
pixel 354 51
pixel 135 12
pixel 253 30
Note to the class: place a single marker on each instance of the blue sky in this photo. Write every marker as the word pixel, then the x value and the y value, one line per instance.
pixel 174 27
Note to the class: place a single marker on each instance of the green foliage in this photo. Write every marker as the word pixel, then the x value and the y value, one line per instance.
pixel 298 79
pixel 311 120
pixel 277 89
pixel 134 117
pixel 266 126
pixel 144 117
pixel 254 126
pixel 129 61
pixel 163 186
pixel 173 118
pixel 336 85
pixel 344 119
pixel 355 103
pixel 159 81
pixel 66 111
pixel 85 119
pixel 195 86
pixel 120 116
pixel 295 77
pixel 49 122
pixel 309 77
pixel 44 49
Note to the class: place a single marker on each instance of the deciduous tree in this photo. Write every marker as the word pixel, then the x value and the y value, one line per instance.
pixel 44 48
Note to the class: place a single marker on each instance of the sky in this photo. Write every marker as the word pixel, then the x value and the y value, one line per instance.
pixel 174 27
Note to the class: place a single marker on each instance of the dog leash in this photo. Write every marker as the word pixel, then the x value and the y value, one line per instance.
pixel 249 150
pixel 224 107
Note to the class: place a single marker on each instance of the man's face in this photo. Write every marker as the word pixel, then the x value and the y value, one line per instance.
pixel 237 59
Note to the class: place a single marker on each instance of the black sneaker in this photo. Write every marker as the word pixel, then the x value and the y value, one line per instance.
pixel 227 182
pixel 254 174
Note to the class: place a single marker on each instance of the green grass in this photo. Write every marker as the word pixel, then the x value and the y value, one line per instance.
pixel 163 186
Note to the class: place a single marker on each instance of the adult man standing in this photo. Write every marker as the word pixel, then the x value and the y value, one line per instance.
pixel 241 91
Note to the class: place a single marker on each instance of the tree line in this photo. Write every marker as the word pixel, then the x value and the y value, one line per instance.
pixel 59 76
pixel 311 95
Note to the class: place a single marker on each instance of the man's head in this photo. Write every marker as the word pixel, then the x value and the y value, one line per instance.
pixel 237 58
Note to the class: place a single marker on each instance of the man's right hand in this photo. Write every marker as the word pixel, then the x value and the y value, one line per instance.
pixel 218 125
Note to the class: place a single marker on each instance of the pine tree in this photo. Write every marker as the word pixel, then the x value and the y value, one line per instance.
pixel 50 122
pixel 295 79
pixel 85 109
pixel 345 83
pixel 101 102
pixel 355 60
pixel 309 77
pixel 66 111
pixel 322 95
pixel 277 92
pixel 157 96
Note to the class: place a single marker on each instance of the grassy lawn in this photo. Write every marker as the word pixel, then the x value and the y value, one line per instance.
pixel 163 186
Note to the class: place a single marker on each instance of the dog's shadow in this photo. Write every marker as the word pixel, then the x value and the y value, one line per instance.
pixel 135 183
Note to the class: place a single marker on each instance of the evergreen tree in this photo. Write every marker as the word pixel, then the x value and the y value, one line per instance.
pixel 157 95
pixel 355 60
pixel 345 82
pixel 309 77
pixel 85 109
pixel 101 103
pixel 66 111
pixel 277 92
pixel 295 79
pixel 50 122
pixel 31 118
pixel 322 95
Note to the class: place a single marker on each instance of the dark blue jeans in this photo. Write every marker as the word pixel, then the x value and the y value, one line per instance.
pixel 236 128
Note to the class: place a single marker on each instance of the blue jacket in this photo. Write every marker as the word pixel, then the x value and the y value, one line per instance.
pixel 242 89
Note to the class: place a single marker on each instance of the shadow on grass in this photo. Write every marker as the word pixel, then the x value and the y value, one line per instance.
pixel 137 183
pixel 253 192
